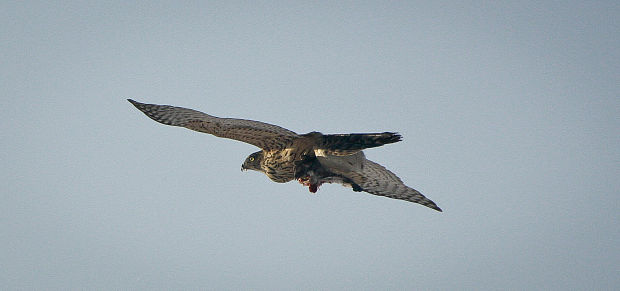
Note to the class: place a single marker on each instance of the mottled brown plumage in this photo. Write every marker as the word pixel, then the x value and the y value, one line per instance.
pixel 313 158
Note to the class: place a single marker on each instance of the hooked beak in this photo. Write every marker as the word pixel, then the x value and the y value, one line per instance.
pixel 243 168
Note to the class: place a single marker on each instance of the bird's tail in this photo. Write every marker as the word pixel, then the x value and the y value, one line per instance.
pixel 347 144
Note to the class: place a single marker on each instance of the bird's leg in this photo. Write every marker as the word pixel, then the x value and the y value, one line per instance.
pixel 310 181
pixel 304 181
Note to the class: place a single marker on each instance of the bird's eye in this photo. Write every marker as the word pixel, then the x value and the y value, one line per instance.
pixel 251 159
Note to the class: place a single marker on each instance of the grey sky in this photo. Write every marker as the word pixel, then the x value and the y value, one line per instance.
pixel 509 114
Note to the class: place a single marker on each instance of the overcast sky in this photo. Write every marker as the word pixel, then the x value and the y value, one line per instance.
pixel 509 113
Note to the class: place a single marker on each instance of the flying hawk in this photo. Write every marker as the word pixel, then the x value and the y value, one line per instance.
pixel 312 159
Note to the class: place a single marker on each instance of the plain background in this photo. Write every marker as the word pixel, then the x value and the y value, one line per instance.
pixel 509 113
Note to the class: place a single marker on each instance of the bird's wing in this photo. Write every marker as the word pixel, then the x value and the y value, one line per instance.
pixel 376 179
pixel 263 135
pixel 349 144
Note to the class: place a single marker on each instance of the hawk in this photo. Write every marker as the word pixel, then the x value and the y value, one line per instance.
pixel 312 158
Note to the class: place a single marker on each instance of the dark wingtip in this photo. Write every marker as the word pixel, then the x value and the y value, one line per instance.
pixel 137 104
pixel 397 136
pixel 392 137
pixel 431 204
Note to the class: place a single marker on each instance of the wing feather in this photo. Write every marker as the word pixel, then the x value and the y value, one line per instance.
pixel 263 135
pixel 351 143
pixel 376 179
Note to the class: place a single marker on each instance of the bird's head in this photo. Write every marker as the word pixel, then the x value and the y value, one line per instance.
pixel 253 161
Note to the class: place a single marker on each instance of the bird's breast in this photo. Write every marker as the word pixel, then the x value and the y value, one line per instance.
pixel 279 165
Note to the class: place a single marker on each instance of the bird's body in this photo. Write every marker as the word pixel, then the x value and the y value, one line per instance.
pixel 312 159
pixel 279 165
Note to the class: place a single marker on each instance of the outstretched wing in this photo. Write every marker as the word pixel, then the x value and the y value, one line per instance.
pixel 263 135
pixel 376 179
pixel 349 144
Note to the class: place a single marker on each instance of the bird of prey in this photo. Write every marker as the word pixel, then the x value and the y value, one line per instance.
pixel 312 159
